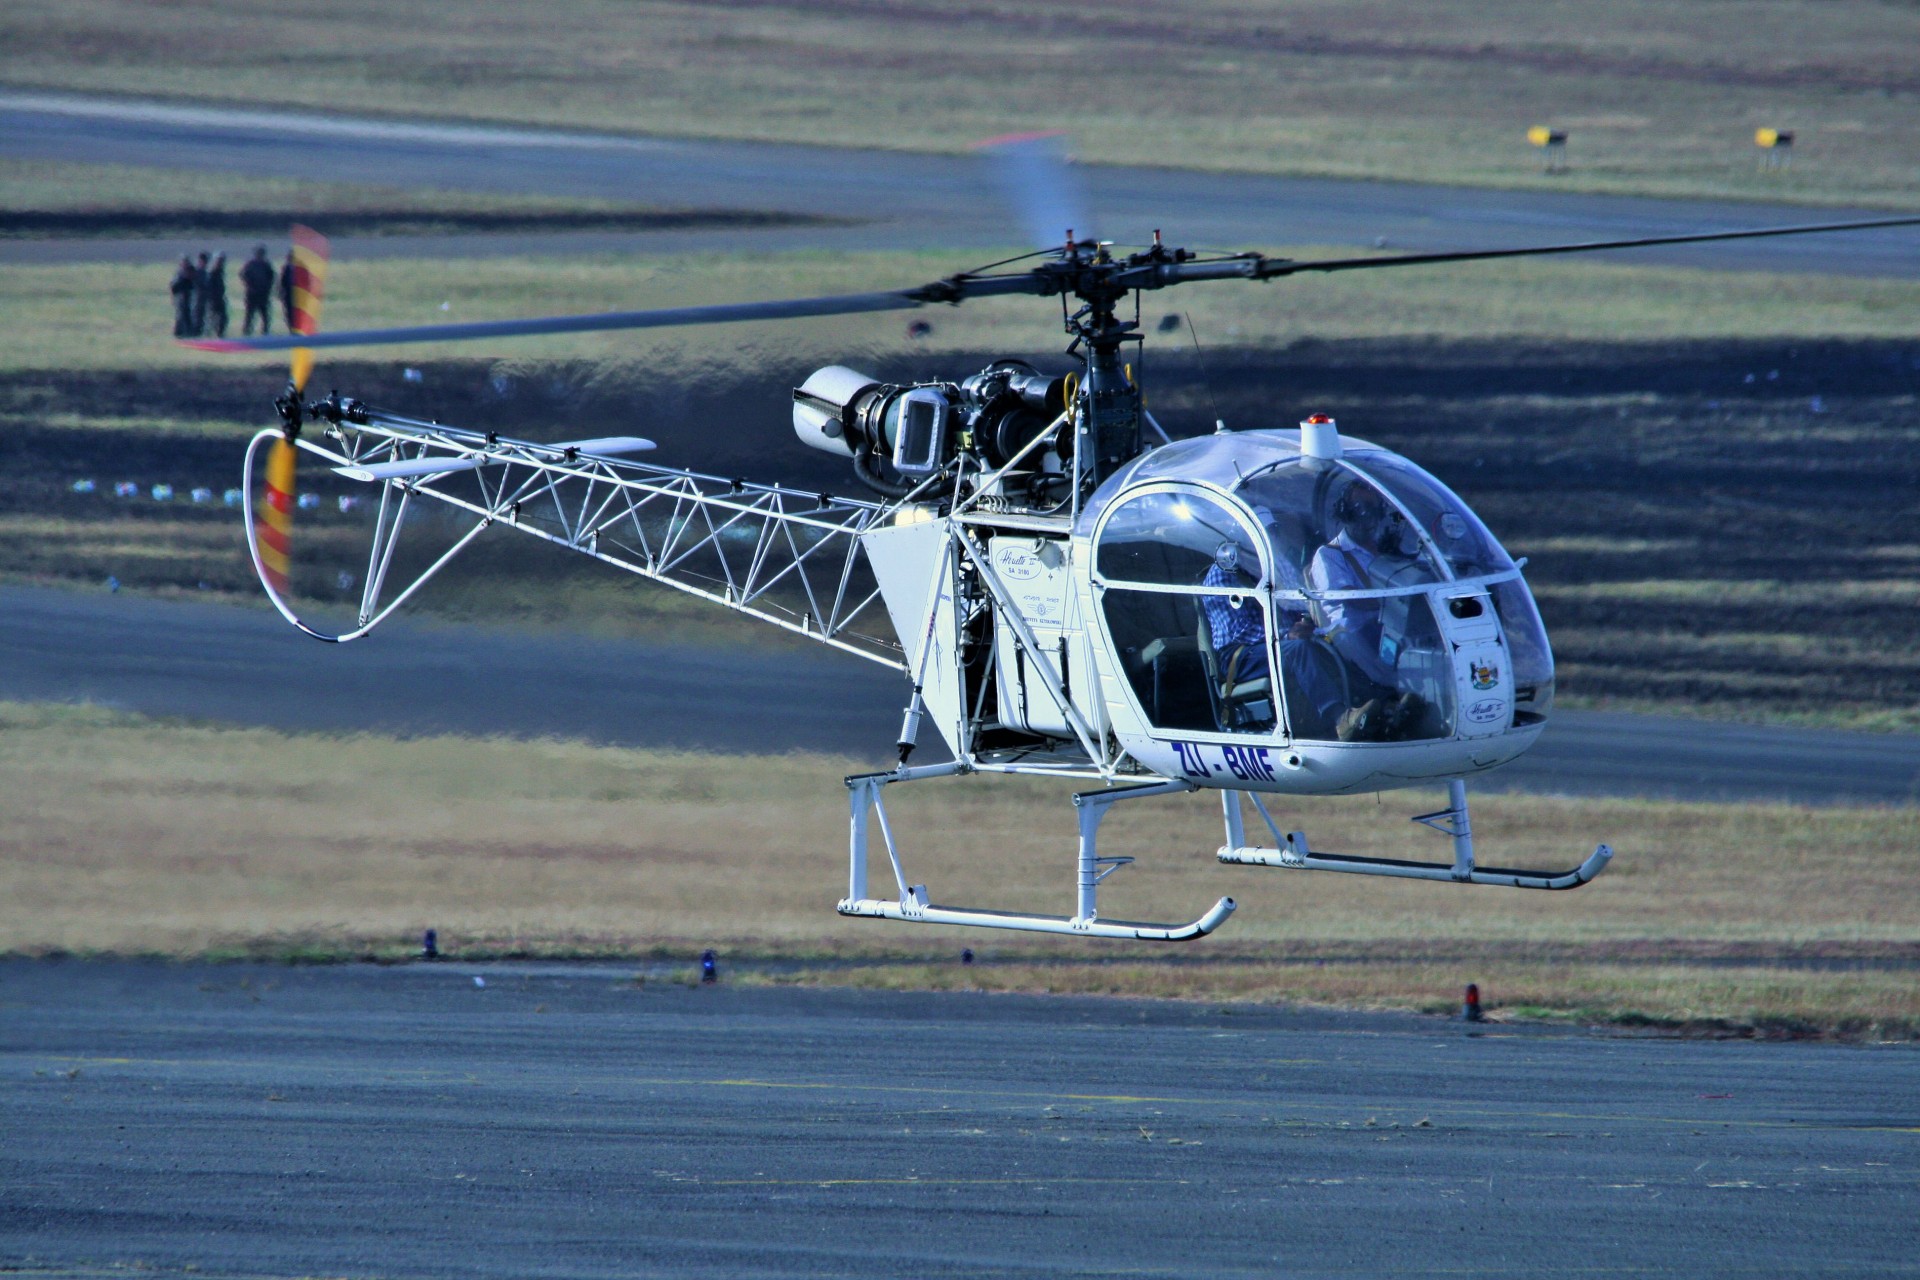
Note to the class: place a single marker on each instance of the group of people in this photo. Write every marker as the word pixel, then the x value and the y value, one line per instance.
pixel 200 294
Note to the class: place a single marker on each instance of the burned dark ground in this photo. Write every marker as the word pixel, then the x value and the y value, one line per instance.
pixel 1724 527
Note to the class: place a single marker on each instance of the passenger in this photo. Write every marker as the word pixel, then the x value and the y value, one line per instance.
pixel 1236 626
pixel 1239 634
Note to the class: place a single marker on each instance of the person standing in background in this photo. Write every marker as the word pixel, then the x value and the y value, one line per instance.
pixel 286 290
pixel 182 290
pixel 199 324
pixel 256 282
pixel 214 289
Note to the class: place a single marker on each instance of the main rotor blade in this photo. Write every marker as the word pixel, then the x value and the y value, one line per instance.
pixel 664 317
pixel 1274 269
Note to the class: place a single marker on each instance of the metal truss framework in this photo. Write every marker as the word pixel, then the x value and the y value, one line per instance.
pixel 785 556
pixel 790 557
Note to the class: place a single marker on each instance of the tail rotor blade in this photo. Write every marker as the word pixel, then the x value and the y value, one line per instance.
pixel 274 528
pixel 307 269
pixel 1039 187
pixel 310 253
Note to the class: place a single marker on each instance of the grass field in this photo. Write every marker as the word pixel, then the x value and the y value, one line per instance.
pixel 1657 97
pixel 129 836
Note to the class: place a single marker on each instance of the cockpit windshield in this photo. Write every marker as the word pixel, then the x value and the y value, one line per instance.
pixel 1451 526
pixel 1307 508
pixel 1243 583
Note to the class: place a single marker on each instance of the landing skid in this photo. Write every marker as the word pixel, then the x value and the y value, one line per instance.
pixel 913 906
pixel 1292 852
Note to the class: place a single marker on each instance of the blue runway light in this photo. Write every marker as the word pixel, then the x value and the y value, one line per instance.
pixel 709 968
pixel 430 945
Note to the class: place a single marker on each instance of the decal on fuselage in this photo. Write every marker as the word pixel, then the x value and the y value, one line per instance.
pixel 1247 764
pixel 1487 710
pixel 1017 564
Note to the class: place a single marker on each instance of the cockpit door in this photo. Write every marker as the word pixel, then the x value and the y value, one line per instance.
pixel 1181 584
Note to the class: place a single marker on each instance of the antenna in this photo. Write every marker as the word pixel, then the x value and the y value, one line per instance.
pixel 1206 375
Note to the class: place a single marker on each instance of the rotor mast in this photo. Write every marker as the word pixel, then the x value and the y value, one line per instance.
pixel 1107 419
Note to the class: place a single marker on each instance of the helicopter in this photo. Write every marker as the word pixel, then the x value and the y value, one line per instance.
pixel 1067 590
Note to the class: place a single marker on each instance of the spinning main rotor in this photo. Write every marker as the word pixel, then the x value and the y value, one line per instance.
pixel 1087 272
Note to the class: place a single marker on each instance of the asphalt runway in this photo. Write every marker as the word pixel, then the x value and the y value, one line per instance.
pixel 899 200
pixel 357 1120
pixel 229 664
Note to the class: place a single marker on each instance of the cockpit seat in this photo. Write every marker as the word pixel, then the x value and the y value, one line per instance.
pixel 1237 703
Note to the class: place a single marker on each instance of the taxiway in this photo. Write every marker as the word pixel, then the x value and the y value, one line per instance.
pixel 211 662
pixel 412 1121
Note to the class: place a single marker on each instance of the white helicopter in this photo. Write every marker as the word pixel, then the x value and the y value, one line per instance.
pixel 1068 591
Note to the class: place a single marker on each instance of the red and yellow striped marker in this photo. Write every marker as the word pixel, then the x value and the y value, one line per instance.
pixel 275 525
pixel 309 284
pixel 274 528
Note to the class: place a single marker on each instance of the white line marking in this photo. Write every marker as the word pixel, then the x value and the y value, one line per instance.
pixel 318 125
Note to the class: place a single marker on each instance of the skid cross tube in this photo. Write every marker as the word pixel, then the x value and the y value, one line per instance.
pixel 1291 851
pixel 913 906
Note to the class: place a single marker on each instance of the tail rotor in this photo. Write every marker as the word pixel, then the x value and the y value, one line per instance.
pixel 273 531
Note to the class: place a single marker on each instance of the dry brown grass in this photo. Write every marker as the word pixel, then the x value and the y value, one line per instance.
pixel 129 836
pixel 1658 97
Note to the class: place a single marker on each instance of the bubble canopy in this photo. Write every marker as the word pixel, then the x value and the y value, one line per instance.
pixel 1299 500
pixel 1207 548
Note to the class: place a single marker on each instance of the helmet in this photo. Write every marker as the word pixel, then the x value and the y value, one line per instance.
pixel 1359 503
pixel 1371 519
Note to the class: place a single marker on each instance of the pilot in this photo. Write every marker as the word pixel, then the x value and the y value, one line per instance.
pixel 1239 632
pixel 1360 556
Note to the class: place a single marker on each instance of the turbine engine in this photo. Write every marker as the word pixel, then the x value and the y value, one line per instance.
pixel 899 435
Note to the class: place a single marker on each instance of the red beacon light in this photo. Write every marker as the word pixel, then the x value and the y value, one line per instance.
pixel 1319 438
